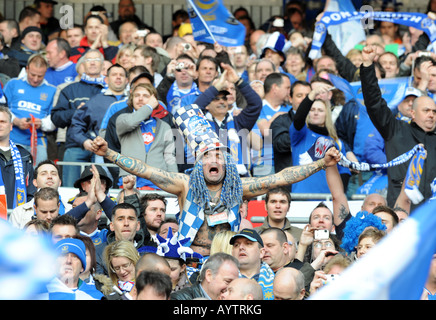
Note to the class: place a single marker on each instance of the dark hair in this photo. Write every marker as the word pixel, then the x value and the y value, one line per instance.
pixel 151 197
pixel 47 161
pixel 186 56
pixel 63 45
pixel 93 17
pixel 27 12
pixel 209 58
pixel 389 211
pixel 319 205
pixel 65 220
pixel 117 65
pixel 271 79
pixel 180 13
pixel 123 205
pixel 91 247
pixel 160 282
pixel 46 193
pixel 298 83
pixel 280 190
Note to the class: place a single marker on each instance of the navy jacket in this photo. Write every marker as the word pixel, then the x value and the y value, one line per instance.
pixel 69 99
pixel 87 120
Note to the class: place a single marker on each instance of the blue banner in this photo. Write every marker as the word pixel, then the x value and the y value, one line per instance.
pixel 417 20
pixel 211 22
pixel 392 90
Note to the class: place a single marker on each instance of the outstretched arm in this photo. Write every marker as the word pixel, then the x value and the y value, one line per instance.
pixel 175 183
pixel 340 202
pixel 253 187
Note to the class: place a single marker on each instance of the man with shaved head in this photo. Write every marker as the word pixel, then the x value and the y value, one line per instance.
pixel 289 285
pixel 400 136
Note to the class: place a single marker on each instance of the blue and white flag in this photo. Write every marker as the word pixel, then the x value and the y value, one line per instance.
pixel 211 22
pixel 396 268
pixel 26 263
pixel 417 20
pixel 345 35
pixel 392 90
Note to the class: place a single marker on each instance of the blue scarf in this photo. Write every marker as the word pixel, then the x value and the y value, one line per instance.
pixel 419 21
pixel 322 144
pixel 266 281
pixel 174 96
pixel 413 176
pixel 20 196
pixel 99 81
pixel 414 171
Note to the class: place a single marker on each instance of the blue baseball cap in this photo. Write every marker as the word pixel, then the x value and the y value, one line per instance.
pixel 250 234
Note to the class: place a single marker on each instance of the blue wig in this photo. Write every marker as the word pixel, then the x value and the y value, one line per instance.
pixel 355 227
pixel 231 192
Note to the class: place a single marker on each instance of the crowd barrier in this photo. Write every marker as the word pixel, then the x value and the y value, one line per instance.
pixel 302 204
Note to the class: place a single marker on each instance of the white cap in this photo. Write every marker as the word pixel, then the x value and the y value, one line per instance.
pixel 411 91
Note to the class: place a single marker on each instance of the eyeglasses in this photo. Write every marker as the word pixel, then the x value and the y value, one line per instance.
pixel 320 245
pixel 124 267
pixel 92 59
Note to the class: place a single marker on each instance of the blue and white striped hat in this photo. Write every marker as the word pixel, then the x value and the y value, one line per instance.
pixel 197 130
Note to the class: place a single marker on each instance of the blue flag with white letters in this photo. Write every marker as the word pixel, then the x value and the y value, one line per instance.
pixel 396 268
pixel 211 22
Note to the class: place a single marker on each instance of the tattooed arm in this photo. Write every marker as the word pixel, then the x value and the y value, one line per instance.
pixel 257 186
pixel 171 182
pixel 340 202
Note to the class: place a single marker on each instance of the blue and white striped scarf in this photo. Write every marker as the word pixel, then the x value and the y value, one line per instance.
pixel 174 96
pixel 20 193
pixel 413 176
pixel 322 144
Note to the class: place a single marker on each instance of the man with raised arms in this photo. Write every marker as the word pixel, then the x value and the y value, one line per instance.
pixel 209 198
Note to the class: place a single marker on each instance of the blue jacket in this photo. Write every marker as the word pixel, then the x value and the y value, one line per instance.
pixel 69 99
pixel 302 139
pixel 86 120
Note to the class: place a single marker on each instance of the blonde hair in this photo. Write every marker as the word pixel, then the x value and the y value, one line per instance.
pixel 126 47
pixel 149 87
pixel 120 248
pixel 328 123
pixel 221 242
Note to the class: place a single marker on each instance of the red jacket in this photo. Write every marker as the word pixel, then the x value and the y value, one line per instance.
pixel 109 53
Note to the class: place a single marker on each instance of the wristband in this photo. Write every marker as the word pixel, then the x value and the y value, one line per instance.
pixel 118 158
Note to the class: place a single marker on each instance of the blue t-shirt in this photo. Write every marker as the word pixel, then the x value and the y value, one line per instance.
pixel 301 141
pixel 61 75
pixel 24 100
